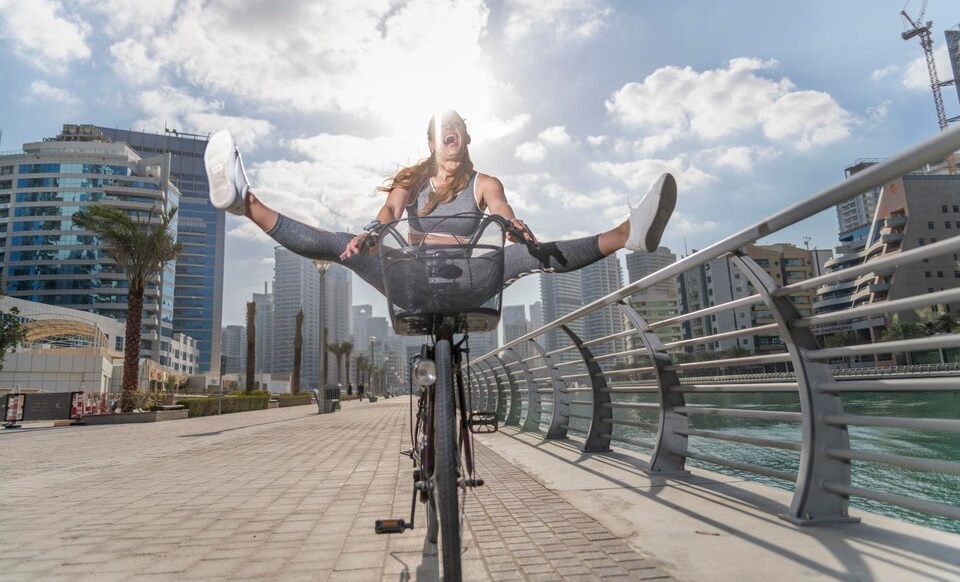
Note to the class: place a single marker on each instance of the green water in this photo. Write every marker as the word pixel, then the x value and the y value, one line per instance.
pixel 923 444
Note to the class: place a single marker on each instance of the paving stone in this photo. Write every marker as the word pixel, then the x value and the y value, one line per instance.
pixel 278 494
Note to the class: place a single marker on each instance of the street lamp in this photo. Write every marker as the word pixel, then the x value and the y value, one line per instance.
pixel 322 268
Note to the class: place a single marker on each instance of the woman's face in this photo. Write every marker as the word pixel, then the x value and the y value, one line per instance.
pixel 450 142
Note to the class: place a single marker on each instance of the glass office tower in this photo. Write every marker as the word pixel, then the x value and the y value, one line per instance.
pixel 199 285
pixel 46 259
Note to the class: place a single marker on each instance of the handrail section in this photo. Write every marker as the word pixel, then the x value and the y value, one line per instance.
pixel 642 390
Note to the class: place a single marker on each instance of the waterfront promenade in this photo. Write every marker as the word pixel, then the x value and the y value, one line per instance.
pixel 287 494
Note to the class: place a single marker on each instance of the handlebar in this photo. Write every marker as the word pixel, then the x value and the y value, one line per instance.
pixel 376 231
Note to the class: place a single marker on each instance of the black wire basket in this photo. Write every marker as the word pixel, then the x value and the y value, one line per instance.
pixel 443 272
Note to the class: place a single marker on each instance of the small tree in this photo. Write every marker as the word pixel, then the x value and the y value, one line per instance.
pixel 140 248
pixel 901 330
pixel 12 331
pixel 251 370
pixel 297 353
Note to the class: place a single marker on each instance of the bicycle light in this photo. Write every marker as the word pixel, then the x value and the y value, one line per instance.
pixel 425 372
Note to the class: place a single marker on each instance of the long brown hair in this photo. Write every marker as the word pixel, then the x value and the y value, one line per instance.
pixel 413 178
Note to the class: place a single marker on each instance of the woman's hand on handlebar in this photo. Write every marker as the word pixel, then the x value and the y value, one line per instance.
pixel 358 245
pixel 518 231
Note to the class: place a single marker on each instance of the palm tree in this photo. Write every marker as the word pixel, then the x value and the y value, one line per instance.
pixel 842 339
pixel 297 353
pixel 251 346
pixel 901 330
pixel 347 348
pixel 140 248
pixel 338 350
pixel 362 364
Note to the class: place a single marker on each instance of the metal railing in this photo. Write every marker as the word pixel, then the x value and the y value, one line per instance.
pixel 797 406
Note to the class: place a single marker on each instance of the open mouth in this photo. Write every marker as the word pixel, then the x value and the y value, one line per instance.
pixel 449 140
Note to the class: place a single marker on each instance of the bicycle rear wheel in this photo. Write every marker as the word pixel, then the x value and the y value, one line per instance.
pixel 445 463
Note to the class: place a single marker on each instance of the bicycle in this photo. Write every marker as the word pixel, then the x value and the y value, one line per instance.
pixel 442 284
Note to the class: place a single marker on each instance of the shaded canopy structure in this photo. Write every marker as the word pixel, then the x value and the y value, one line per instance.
pixel 64 333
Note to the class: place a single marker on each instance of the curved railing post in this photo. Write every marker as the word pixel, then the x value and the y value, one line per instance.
pixel 561 410
pixel 532 421
pixel 811 503
pixel 670 451
pixel 602 416
pixel 478 383
pixel 513 417
pixel 498 387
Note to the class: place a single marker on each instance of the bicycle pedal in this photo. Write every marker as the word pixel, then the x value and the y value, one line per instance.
pixel 475 482
pixel 483 421
pixel 391 526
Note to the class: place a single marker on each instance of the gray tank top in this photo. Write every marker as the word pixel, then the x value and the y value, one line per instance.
pixel 463 204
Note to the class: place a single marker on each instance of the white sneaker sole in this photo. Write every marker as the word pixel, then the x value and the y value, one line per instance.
pixel 657 207
pixel 220 160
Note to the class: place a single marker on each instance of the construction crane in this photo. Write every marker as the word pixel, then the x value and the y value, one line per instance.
pixel 916 27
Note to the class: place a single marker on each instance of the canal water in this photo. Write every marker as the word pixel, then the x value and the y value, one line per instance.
pixel 923 444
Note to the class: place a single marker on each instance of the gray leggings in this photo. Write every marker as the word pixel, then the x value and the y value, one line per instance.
pixel 518 260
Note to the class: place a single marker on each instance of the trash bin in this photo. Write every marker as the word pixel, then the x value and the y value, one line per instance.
pixel 331 397
pixel 316 396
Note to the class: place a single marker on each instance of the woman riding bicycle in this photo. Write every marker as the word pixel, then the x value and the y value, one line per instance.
pixel 442 185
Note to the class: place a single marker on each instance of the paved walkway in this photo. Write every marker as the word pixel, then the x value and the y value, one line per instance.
pixel 282 494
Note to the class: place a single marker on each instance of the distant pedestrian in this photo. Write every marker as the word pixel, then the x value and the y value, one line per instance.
pixel 360 390
pixel 349 388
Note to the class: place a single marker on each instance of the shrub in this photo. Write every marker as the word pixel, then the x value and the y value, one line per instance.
pixel 294 399
pixel 234 403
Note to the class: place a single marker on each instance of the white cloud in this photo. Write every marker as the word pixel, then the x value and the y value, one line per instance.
pixel 555 136
pixel 562 20
pixel 173 108
pixel 42 34
pixel 885 72
pixel 359 58
pixel 132 63
pixel 728 103
pixel 916 76
pixel 122 17
pixel 45 91
pixel 531 151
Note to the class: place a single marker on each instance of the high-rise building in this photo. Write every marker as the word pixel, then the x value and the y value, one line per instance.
pixel 198 292
pixel 720 281
pixel 358 330
pixel 536 315
pixel 912 211
pixel 561 293
pixel 599 280
pixel 262 332
pixel 659 301
pixel 296 287
pixel 515 324
pixel 45 259
pixel 234 340
pixel 855 214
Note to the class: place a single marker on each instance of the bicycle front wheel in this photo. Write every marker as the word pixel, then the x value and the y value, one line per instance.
pixel 445 463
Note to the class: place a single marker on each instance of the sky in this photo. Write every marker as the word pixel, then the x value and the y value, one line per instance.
pixel 576 105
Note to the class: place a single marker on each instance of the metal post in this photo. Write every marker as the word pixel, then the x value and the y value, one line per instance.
pixel 223 366
pixel 370 371
pixel 322 268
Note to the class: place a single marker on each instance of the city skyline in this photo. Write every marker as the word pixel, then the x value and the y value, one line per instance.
pixel 577 108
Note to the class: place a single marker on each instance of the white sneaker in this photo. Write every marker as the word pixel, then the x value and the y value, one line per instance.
pixel 225 173
pixel 650 217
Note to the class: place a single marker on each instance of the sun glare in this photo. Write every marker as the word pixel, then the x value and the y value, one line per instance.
pixel 411 79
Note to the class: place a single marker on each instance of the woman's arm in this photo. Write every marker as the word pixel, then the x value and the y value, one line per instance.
pixel 493 198
pixel 391 210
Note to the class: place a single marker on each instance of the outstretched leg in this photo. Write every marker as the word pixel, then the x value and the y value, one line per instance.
pixel 230 190
pixel 640 232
